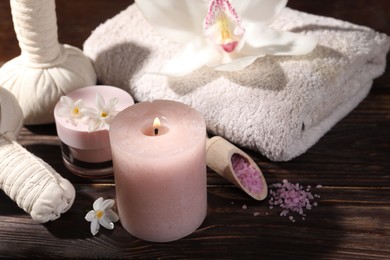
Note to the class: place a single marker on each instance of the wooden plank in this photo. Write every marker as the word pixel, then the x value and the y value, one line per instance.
pixel 336 228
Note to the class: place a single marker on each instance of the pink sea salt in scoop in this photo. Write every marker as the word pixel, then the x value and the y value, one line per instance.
pixel 236 166
pixel 247 174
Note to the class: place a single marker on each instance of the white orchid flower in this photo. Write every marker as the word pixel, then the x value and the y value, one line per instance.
pixel 101 118
pixel 224 35
pixel 70 109
pixel 102 214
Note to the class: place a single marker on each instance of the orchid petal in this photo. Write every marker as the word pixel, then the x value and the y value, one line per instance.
pixel 236 64
pixel 179 21
pixel 260 11
pixel 193 56
pixel 262 40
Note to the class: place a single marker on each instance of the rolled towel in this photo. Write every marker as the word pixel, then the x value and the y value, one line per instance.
pixel 279 106
pixel 29 181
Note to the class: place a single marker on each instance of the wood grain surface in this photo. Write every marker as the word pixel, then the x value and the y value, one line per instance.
pixel 351 162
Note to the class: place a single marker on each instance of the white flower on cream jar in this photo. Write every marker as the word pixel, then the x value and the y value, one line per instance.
pixel 82 120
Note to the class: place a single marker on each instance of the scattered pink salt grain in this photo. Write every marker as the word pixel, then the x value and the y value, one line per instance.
pixel 244 206
pixel 292 198
pixel 247 174
pixel 256 214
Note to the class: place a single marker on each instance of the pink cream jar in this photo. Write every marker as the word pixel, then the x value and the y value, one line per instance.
pixel 82 120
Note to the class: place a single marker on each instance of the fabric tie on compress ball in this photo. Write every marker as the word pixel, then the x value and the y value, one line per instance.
pixel 45 70
pixel 29 181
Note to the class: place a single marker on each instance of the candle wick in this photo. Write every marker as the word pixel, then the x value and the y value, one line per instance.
pixel 156 131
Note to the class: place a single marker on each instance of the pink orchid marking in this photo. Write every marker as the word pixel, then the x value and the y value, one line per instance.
pixel 218 24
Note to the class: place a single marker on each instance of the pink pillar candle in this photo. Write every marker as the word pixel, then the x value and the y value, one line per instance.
pixel 160 170
pixel 88 153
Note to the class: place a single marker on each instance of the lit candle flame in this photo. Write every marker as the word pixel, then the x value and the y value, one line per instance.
pixel 156 125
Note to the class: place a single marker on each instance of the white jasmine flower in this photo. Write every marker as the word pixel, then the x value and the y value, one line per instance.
pixel 102 214
pixel 224 35
pixel 101 118
pixel 70 109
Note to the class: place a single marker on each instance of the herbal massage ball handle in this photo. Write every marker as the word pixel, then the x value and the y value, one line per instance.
pixel 45 70
pixel 35 186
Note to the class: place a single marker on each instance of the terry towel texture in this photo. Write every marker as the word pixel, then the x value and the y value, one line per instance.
pixel 279 106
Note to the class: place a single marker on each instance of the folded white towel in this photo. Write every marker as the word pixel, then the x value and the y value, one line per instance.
pixel 279 106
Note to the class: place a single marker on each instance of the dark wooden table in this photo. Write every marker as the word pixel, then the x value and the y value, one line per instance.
pixel 351 162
